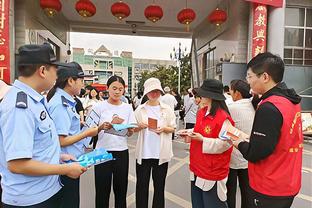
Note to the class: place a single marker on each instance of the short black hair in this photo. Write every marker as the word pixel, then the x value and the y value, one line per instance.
pixel 226 88
pixel 242 87
pixel 269 63
pixel 29 70
pixel 114 79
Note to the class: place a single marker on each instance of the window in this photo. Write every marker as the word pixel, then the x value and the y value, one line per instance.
pixel 298 36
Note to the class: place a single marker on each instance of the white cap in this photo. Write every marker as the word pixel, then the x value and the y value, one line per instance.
pixel 4 88
pixel 152 84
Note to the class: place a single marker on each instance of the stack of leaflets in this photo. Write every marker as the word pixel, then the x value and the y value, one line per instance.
pixel 95 157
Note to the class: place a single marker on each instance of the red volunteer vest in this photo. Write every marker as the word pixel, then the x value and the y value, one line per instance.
pixel 209 166
pixel 280 173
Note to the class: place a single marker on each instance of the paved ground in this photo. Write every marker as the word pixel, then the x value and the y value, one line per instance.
pixel 178 185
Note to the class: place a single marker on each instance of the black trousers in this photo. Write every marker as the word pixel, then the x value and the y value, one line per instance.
pixel 116 171
pixel 258 200
pixel 53 202
pixel 231 184
pixel 143 173
pixel 71 194
pixel 189 125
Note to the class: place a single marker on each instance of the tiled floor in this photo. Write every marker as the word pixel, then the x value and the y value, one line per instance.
pixel 178 185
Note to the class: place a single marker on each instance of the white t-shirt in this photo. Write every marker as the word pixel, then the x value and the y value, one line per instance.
pixel 169 100
pixel 151 143
pixel 107 111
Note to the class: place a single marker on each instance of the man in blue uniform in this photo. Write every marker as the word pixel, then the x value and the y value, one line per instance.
pixel 30 150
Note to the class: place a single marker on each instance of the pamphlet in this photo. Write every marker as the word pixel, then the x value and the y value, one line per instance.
pixel 94 157
pixel 229 132
pixel 92 120
pixel 152 123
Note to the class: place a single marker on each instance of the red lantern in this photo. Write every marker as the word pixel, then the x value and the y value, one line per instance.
pixel 120 10
pixel 186 16
pixel 85 8
pixel 51 7
pixel 153 13
pixel 217 17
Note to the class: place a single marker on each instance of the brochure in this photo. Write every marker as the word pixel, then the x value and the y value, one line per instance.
pixel 152 123
pixel 119 127
pixel 94 157
pixel 229 132
pixel 92 120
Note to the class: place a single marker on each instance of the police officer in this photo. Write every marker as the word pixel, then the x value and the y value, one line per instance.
pixel 61 107
pixel 30 149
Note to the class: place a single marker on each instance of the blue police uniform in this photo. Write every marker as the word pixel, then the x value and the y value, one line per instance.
pixel 67 121
pixel 27 131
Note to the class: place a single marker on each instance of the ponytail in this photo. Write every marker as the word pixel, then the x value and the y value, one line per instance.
pixel 60 83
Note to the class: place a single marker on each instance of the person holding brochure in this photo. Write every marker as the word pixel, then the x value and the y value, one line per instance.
pixel 30 149
pixel 156 122
pixel 61 107
pixel 209 155
pixel 113 111
pixel 243 113
pixel 274 150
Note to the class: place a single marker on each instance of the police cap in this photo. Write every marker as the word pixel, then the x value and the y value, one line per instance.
pixel 37 54
pixel 72 69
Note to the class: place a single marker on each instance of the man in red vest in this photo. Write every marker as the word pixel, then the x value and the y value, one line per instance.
pixel 274 151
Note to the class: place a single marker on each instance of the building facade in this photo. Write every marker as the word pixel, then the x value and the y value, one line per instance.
pixel 103 64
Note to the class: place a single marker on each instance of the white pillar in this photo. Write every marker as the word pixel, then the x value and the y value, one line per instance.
pixel 276 23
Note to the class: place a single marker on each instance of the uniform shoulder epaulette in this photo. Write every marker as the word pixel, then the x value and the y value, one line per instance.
pixel 64 101
pixel 21 100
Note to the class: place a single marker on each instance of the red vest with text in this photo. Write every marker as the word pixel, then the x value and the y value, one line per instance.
pixel 209 166
pixel 280 173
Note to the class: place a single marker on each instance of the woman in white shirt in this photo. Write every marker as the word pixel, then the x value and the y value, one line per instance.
pixel 113 111
pixel 156 122
pixel 92 99
pixel 243 114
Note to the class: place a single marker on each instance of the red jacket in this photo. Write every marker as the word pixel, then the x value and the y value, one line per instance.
pixel 209 166
pixel 280 173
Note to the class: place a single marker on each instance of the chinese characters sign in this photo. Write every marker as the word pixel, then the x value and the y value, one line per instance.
pixel 275 3
pixel 4 41
pixel 259 35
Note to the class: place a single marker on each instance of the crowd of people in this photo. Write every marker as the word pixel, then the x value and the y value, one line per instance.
pixel 42 137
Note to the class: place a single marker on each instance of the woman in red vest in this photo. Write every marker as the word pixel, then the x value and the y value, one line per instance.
pixel 209 155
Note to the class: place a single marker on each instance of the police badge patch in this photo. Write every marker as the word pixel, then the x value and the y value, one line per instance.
pixel 43 115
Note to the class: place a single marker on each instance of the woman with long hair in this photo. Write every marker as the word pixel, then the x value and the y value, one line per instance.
pixel 209 155
pixel 113 111
pixel 61 107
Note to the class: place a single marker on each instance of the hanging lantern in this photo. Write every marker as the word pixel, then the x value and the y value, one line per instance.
pixel 186 16
pixel 153 13
pixel 51 7
pixel 120 10
pixel 217 17
pixel 85 8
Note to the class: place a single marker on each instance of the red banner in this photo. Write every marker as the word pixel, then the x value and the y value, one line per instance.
pixel 4 41
pixel 259 30
pixel 275 3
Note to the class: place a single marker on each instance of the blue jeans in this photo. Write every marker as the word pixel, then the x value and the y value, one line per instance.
pixel 206 199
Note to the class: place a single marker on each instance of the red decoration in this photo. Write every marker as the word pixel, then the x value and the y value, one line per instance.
pixel 217 17
pixel 153 13
pixel 120 10
pixel 51 7
pixel 259 29
pixel 275 3
pixel 85 8
pixel 186 16
pixel 5 40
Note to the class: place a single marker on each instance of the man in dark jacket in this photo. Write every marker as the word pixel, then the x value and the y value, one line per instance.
pixel 274 151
